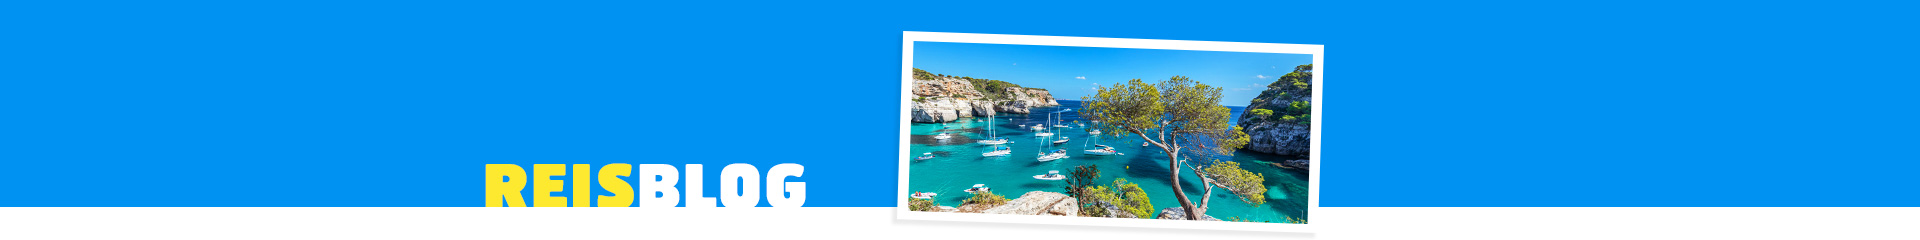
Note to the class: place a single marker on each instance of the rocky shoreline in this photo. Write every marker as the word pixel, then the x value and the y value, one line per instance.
pixel 1052 204
pixel 948 99
pixel 1286 127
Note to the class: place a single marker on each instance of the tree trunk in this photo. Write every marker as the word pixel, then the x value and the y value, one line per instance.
pixel 1173 165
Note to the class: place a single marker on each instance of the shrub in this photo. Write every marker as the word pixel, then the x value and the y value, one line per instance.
pixel 916 204
pixel 986 198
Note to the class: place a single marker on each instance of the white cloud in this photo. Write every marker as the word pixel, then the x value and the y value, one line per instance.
pixel 1260 76
pixel 1081 77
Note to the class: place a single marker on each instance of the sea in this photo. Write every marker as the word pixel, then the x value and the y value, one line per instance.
pixel 958 165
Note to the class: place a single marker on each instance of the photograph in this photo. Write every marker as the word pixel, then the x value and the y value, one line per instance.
pixel 1107 132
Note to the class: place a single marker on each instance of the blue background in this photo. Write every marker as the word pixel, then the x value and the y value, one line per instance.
pixel 1522 103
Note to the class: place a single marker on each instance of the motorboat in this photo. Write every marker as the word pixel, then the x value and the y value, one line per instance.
pixel 924 156
pixel 1057 154
pixel 943 136
pixel 1094 132
pixel 998 151
pixel 1063 139
pixel 977 188
pixel 923 195
pixel 1102 150
pixel 1050 176
pixel 1043 134
pixel 995 141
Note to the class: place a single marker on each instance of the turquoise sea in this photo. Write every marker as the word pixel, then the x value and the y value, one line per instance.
pixel 958 165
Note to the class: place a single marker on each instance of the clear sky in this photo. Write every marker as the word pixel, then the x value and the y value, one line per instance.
pixel 1071 72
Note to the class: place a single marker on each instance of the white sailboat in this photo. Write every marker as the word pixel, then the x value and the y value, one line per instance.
pixel 1057 154
pixel 994 139
pixel 1102 150
pixel 998 151
pixel 1053 175
pixel 1063 139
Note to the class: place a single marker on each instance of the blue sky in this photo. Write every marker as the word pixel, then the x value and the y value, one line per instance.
pixel 1071 72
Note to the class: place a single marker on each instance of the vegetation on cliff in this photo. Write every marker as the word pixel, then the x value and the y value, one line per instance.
pixel 994 89
pixel 1296 84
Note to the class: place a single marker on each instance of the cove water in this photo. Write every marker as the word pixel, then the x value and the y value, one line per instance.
pixel 958 165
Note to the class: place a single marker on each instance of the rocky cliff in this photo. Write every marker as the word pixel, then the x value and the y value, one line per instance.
pixel 1031 203
pixel 940 98
pixel 1286 126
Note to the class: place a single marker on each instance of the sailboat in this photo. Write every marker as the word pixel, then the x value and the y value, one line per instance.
pixel 998 151
pixel 1057 154
pixel 1053 175
pixel 994 138
pixel 1063 139
pixel 1097 149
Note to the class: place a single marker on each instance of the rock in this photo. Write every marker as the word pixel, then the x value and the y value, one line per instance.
pixel 940 110
pixel 946 99
pixel 1177 213
pixel 1039 203
pixel 1301 164
pixel 982 108
pixel 1271 134
pixel 1014 107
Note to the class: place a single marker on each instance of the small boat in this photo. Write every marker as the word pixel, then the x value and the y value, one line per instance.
pixel 1062 125
pixel 1094 132
pixel 1057 154
pixel 1037 127
pixel 977 188
pixel 1050 176
pixel 1043 134
pixel 1102 150
pixel 943 136
pixel 923 195
pixel 1143 144
pixel 998 151
pixel 995 141
pixel 1063 139
pixel 924 156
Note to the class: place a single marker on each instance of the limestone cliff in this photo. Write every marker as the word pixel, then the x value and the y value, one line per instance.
pixel 941 98
pixel 1279 120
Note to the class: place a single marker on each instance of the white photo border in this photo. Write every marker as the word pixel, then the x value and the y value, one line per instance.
pixel 906 94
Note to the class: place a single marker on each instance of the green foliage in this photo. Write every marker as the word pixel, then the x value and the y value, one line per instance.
pixel 1189 111
pixel 985 198
pixel 1248 185
pixel 1297 83
pixel 1094 198
pixel 1080 185
pixel 1261 113
pixel 1133 199
pixel 1080 179
pixel 923 75
pixel 916 204
pixel 1176 115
